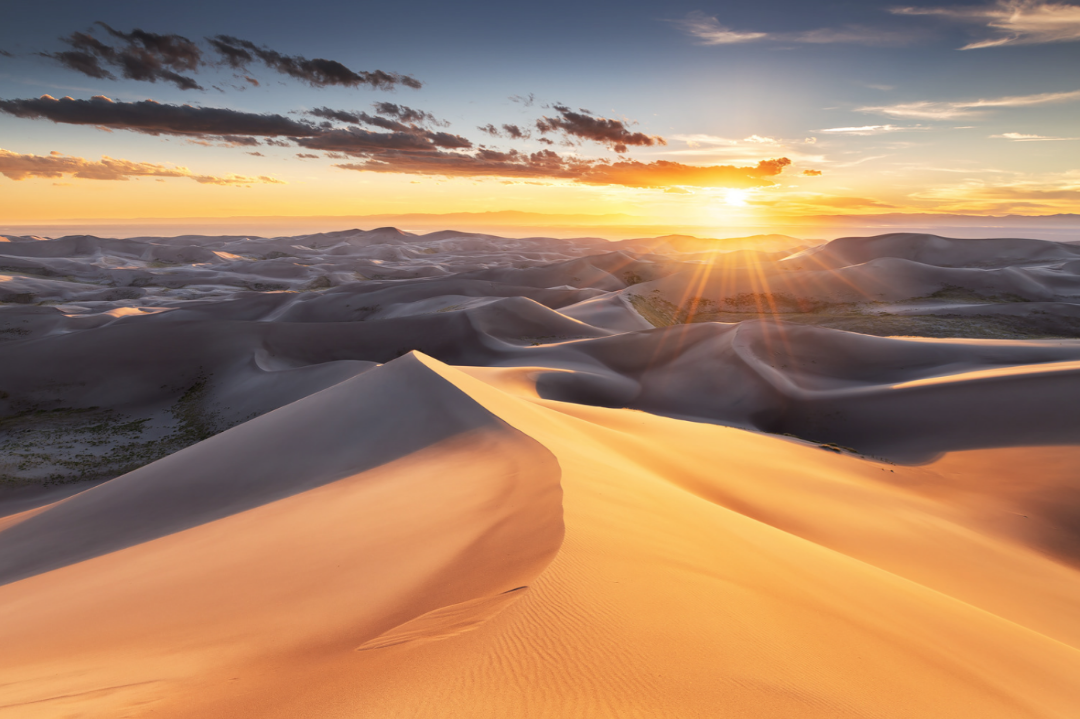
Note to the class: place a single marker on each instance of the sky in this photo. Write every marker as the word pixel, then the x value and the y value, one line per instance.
pixel 689 112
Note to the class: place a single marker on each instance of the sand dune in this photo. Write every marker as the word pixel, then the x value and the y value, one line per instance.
pixel 538 478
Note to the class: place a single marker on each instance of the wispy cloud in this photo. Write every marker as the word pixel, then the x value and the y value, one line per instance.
pixel 1022 137
pixel 708 30
pixel 930 110
pixel 713 148
pixel 1057 193
pixel 872 129
pixel 16 166
pixel 702 139
pixel 1012 22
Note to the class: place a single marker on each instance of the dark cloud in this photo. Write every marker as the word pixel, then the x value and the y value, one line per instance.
pixel 238 140
pixel 340 115
pixel 54 165
pixel 147 56
pixel 516 133
pixel 174 51
pixel 154 118
pixel 546 164
pixel 511 131
pixel 583 124
pixel 255 154
pixel 142 56
pixel 277 143
pixel 357 141
pixel 527 100
pixel 408 114
pixel 307 156
pixel 361 118
pixel 5 53
pixel 317 72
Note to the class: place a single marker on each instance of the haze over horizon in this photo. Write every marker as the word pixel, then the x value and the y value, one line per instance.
pixel 685 114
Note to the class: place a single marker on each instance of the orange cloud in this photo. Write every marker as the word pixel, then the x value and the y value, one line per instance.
pixel 55 165
pixel 548 164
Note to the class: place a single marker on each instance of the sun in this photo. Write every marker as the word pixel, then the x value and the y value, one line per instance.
pixel 736 198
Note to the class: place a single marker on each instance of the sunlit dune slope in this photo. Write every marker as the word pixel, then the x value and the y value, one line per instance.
pixel 705 571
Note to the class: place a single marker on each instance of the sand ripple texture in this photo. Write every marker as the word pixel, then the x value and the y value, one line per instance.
pixel 379 474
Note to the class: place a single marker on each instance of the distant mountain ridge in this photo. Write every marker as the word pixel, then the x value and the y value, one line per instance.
pixel 901 219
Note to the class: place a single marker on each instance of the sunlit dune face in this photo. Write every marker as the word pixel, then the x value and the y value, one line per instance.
pixel 736 198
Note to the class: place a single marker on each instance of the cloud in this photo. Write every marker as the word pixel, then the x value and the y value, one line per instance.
pixel 358 141
pixel 527 100
pixel 715 149
pixel 142 56
pixel 1058 192
pixel 408 114
pixel 1021 137
pixel 812 173
pixel 850 203
pixel 545 164
pixel 204 125
pixel 707 30
pixel 516 133
pixel 397 118
pixel 154 118
pixel 948 110
pixel 871 129
pixel 55 165
pixel 403 123
pixel 149 57
pixel 663 173
pixel 307 156
pixel 1012 22
pixel 317 72
pixel 851 35
pixel 583 124
pixel 513 132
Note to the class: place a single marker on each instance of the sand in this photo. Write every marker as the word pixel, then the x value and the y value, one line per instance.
pixel 501 491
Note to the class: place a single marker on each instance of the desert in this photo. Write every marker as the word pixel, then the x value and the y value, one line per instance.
pixel 379 473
